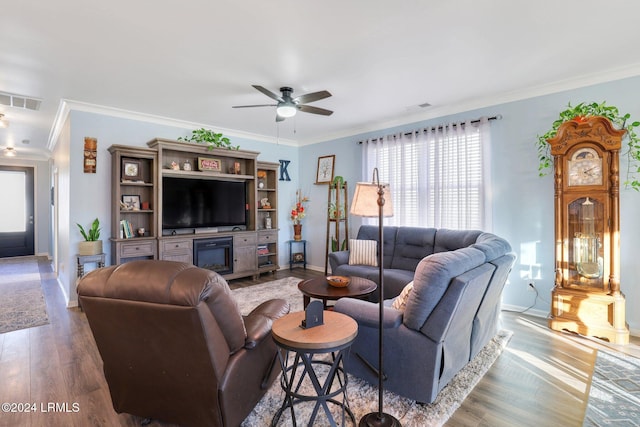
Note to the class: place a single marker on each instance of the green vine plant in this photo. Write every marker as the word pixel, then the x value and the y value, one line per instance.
pixel 588 110
pixel 206 136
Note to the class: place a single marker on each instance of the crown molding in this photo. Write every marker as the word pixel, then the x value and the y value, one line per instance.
pixel 67 106
pixel 484 102
pixel 58 123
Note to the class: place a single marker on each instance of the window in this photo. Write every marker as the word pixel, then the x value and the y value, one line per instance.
pixel 437 176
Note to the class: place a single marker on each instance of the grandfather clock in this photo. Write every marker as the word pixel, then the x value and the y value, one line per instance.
pixel 586 298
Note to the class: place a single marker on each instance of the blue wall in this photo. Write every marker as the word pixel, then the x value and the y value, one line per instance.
pixel 522 202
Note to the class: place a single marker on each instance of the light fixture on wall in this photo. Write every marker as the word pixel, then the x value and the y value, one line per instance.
pixel 4 123
pixel 369 201
pixel 10 152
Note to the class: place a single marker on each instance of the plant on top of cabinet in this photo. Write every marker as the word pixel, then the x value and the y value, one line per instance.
pixel 580 113
pixel 207 136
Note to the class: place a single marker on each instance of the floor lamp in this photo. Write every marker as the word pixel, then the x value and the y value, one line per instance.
pixel 368 201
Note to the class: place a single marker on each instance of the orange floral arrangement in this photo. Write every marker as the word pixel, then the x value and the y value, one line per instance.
pixel 298 211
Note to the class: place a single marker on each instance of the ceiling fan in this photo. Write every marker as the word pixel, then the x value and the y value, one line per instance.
pixel 287 106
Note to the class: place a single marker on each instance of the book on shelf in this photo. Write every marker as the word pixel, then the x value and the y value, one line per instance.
pixel 263 249
pixel 127 229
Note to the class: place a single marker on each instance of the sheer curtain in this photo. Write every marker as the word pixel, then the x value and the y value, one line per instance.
pixel 438 175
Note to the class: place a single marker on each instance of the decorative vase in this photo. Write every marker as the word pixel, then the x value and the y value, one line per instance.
pixel 90 248
pixel 297 232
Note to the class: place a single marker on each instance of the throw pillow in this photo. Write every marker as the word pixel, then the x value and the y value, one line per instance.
pixel 363 252
pixel 401 300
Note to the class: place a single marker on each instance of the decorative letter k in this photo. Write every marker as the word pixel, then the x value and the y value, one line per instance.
pixel 284 175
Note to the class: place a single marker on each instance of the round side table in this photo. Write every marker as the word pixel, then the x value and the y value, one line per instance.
pixel 334 336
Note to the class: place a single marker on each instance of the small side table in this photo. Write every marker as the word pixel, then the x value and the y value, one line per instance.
pixel 293 256
pixel 84 259
pixel 334 336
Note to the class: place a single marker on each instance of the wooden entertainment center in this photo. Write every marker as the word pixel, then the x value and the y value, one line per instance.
pixel 233 251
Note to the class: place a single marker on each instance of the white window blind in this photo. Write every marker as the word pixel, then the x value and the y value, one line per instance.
pixel 437 176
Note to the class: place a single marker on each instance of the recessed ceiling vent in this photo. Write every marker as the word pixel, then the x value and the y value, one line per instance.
pixel 19 101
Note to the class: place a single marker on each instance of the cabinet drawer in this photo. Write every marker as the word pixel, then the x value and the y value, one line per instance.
pixel 176 245
pixel 178 257
pixel 244 240
pixel 137 249
pixel 267 237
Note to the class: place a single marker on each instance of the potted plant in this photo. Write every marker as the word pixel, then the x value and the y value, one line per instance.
pixel 579 113
pixel 91 245
pixel 335 246
pixel 206 136
pixel 297 214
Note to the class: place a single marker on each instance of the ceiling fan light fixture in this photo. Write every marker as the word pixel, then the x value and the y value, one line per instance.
pixel 288 106
pixel 286 110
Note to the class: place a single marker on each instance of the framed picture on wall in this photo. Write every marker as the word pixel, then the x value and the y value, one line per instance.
pixel 324 174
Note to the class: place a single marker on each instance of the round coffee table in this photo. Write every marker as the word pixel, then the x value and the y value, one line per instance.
pixel 319 288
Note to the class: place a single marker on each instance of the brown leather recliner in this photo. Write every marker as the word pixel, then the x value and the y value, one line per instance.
pixel 174 344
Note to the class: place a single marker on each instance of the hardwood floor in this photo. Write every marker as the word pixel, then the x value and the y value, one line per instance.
pixel 541 378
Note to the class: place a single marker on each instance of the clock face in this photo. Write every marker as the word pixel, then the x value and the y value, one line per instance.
pixel 131 169
pixel 585 168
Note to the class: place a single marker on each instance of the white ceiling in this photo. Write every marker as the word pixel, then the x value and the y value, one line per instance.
pixel 190 61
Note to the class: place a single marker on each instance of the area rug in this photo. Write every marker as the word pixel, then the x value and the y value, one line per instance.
pixel 22 302
pixel 363 397
pixel 250 297
pixel 614 395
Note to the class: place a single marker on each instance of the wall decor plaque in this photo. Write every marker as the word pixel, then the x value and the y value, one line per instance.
pixel 209 164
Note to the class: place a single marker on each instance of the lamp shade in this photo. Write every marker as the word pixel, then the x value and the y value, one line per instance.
pixel 365 200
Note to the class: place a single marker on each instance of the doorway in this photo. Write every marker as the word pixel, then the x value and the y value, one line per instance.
pixel 17 223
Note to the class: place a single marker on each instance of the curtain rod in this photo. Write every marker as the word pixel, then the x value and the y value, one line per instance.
pixel 440 127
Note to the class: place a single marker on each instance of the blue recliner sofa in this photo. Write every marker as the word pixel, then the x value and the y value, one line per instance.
pixel 450 315
pixel 404 248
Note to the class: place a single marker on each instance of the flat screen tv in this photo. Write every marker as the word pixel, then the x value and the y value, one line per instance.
pixel 199 203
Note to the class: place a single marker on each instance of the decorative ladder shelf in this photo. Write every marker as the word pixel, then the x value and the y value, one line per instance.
pixel 338 215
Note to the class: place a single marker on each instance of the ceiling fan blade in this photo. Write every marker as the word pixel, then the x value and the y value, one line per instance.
pixel 310 97
pixel 257 105
pixel 268 93
pixel 314 110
